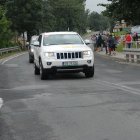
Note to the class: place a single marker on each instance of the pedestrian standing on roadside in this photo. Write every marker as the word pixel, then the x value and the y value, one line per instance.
pixel 94 40
pixel 105 43
pixel 115 45
pixel 135 36
pixel 99 42
pixel 110 43
pixel 128 40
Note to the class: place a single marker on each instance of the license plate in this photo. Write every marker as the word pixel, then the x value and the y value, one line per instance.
pixel 70 63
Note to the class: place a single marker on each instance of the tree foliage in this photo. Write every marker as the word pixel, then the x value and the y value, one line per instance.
pixel 25 15
pixel 65 15
pixel 98 22
pixel 124 9
pixel 47 15
pixel 5 33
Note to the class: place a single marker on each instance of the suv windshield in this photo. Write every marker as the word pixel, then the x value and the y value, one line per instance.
pixel 60 39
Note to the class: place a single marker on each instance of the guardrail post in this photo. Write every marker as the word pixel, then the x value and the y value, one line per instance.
pixel 132 55
pixel 138 58
pixel 127 57
pixel 136 43
pixel 132 58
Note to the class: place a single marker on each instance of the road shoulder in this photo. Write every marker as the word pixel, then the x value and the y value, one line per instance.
pixel 4 60
pixel 120 57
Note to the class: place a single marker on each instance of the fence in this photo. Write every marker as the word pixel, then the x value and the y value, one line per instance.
pixel 10 49
pixel 132 54
pixel 135 44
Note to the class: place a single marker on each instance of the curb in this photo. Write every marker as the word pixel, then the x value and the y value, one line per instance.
pixel 1 102
pixel 111 57
pixel 123 60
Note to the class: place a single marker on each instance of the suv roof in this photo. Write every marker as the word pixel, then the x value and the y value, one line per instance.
pixel 53 33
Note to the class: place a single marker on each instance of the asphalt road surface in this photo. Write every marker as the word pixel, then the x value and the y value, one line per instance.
pixel 70 106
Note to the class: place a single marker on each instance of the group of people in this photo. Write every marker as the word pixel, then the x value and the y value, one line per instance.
pixel 107 41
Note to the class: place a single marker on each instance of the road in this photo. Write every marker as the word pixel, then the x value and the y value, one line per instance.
pixel 69 106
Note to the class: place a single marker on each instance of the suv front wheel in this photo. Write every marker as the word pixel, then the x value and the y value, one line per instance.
pixel 89 72
pixel 31 60
pixel 43 74
pixel 36 70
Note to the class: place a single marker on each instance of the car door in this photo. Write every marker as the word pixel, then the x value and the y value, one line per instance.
pixel 37 50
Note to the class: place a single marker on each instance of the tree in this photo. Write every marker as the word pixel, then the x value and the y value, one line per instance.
pixel 46 15
pixel 5 33
pixel 25 18
pixel 98 22
pixel 123 9
pixel 68 14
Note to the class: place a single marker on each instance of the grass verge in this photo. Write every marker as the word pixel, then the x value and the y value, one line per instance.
pixel 11 54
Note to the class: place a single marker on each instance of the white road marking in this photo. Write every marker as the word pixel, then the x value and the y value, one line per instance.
pixel 1 102
pixel 27 87
pixel 8 59
pixel 130 83
pixel 30 87
pixel 121 87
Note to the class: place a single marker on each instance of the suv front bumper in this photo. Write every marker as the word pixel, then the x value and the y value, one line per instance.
pixel 57 66
pixel 68 69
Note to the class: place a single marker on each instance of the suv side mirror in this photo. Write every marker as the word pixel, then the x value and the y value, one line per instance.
pixel 87 42
pixel 36 43
pixel 27 43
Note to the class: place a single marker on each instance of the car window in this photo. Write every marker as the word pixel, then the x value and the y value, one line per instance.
pixel 62 39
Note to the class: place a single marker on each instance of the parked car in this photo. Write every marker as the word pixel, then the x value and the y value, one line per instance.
pixel 31 48
pixel 62 52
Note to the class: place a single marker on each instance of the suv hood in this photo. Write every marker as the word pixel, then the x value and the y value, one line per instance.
pixel 65 48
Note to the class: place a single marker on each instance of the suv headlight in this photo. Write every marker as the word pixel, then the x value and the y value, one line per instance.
pixel 87 53
pixel 32 50
pixel 49 55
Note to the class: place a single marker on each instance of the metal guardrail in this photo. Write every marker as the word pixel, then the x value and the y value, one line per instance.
pixel 132 54
pixel 10 49
pixel 137 43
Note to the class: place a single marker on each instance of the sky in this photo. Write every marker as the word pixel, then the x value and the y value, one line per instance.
pixel 92 5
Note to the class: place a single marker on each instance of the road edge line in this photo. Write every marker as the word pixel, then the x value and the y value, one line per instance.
pixel 12 57
pixel 1 102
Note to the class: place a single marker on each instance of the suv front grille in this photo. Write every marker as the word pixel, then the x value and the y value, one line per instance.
pixel 69 55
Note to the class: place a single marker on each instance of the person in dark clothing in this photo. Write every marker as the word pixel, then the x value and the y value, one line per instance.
pixel 110 44
pixel 99 42
pixel 115 44
pixel 135 36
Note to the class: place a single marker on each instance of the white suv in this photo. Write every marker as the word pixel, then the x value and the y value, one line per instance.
pixel 62 52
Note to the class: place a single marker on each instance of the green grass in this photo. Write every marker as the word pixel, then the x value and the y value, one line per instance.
pixel 120 47
pixel 120 33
